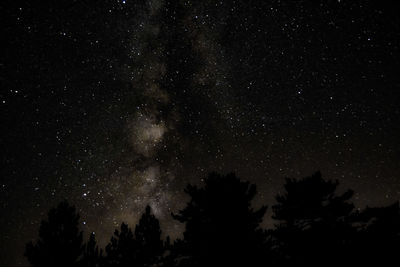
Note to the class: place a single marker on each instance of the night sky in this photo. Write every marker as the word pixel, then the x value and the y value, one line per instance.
pixel 113 105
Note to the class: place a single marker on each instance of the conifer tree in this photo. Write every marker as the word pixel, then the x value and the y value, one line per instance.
pixel 315 224
pixel 149 245
pixel 222 228
pixel 91 253
pixel 60 240
pixel 144 247
pixel 120 250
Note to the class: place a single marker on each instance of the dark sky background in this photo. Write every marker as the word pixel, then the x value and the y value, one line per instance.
pixel 117 104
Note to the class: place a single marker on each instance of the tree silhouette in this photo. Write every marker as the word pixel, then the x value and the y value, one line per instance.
pixel 315 226
pixel 143 248
pixel 59 242
pixel 149 245
pixel 120 250
pixel 221 227
pixel 379 237
pixel 91 254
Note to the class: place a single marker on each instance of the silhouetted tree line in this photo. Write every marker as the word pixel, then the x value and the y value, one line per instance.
pixel 315 226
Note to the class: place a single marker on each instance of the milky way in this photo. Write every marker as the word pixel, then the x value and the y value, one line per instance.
pixel 118 105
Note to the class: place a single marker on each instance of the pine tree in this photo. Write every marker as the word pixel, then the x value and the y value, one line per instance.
pixel 144 247
pixel 149 245
pixel 91 254
pixel 222 228
pixel 120 250
pixel 60 240
pixel 379 237
pixel 315 225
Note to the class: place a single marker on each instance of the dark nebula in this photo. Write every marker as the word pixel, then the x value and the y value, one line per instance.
pixel 114 105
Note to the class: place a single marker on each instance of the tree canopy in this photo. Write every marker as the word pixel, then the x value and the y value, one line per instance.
pixel 221 225
pixel 316 225
pixel 60 240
